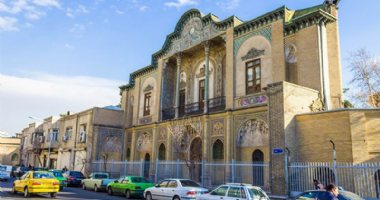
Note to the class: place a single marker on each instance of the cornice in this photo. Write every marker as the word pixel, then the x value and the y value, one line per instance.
pixel 259 22
pixel 313 18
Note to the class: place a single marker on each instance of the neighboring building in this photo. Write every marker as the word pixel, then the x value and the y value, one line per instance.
pixel 10 150
pixel 229 90
pixel 84 136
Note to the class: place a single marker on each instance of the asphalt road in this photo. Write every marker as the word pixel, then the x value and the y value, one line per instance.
pixel 72 193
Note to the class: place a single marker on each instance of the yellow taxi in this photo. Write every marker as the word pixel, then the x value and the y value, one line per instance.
pixel 36 182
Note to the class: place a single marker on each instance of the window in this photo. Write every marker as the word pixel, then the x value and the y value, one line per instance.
pixel 218 150
pixel 234 192
pixel 253 79
pixel 147 102
pixel 163 183
pixel 221 191
pixel 172 184
pixel 54 137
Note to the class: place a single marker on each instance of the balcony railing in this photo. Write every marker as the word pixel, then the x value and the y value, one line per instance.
pixel 197 108
pixel 217 104
pixel 168 113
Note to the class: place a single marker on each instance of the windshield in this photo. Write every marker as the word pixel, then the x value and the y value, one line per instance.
pixel 101 176
pixel 256 193
pixel 38 175
pixel 189 183
pixel 76 174
pixel 139 180
pixel 57 174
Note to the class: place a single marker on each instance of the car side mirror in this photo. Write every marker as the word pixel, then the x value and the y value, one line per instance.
pixel 157 185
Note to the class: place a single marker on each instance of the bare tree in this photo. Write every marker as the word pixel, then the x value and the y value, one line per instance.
pixel 183 132
pixel 366 78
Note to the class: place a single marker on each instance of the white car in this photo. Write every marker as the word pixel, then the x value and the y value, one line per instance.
pixel 174 189
pixel 235 191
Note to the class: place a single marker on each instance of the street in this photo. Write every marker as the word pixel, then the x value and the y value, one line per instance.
pixel 71 193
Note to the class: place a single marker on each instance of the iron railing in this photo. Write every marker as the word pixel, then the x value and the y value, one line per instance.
pixel 168 113
pixel 217 104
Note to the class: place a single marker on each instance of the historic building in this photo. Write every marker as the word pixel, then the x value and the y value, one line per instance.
pixel 10 150
pixel 74 140
pixel 232 90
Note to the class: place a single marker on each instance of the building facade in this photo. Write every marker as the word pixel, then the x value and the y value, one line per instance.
pixel 10 150
pixel 232 90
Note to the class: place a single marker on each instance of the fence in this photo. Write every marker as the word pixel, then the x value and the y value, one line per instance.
pixel 208 174
pixel 362 179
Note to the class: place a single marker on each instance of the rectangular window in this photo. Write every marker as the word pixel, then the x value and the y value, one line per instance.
pixel 55 135
pixel 253 78
pixel 147 102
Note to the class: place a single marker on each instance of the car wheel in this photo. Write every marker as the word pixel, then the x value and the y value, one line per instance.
pixel 53 195
pixel 128 194
pixel 14 190
pixel 110 192
pixel 148 196
pixel 96 188
pixel 83 186
pixel 26 192
pixel 176 198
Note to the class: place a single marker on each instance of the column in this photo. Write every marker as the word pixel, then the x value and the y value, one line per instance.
pixel 229 139
pixel 177 85
pixel 163 73
pixel 133 146
pixel 207 60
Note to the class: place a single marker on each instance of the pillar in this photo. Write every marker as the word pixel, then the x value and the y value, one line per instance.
pixel 177 85
pixel 207 63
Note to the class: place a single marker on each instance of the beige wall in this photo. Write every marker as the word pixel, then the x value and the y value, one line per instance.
pixel 9 147
pixel 355 133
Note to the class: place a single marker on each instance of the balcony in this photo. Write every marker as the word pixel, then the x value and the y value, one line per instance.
pixel 197 108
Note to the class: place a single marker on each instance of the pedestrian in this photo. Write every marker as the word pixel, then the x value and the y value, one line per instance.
pixel 64 169
pixel 332 192
pixel 318 185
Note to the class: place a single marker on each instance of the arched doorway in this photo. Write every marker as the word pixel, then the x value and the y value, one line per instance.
pixel 258 168
pixel 195 168
pixel 217 172
pixel 146 165
pixel 162 152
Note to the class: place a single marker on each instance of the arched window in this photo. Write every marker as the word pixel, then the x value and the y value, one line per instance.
pixel 14 157
pixel 161 152
pixel 146 165
pixel 218 150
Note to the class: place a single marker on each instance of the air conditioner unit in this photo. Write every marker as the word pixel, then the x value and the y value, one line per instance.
pixel 65 138
pixel 41 139
pixel 82 137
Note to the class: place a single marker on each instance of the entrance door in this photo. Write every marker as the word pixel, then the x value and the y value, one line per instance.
pixel 196 160
pixel 258 168
pixel 201 94
pixel 182 101
pixel 146 166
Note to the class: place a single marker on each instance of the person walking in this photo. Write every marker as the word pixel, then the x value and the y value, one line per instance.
pixel 332 193
pixel 318 185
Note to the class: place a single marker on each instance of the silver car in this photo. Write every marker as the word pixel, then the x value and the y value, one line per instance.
pixel 174 189
pixel 235 191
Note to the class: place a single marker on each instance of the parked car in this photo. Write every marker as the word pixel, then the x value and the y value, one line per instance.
pixel 5 172
pixel 97 181
pixel 235 191
pixel 34 182
pixel 74 178
pixel 174 189
pixel 19 171
pixel 322 195
pixel 59 176
pixel 129 186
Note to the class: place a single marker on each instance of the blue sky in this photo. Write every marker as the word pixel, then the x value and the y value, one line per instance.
pixel 56 55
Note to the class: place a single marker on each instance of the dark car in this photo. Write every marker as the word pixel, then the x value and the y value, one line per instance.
pixel 322 195
pixel 74 178
pixel 19 171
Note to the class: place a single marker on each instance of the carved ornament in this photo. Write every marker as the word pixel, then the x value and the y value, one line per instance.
pixel 253 53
